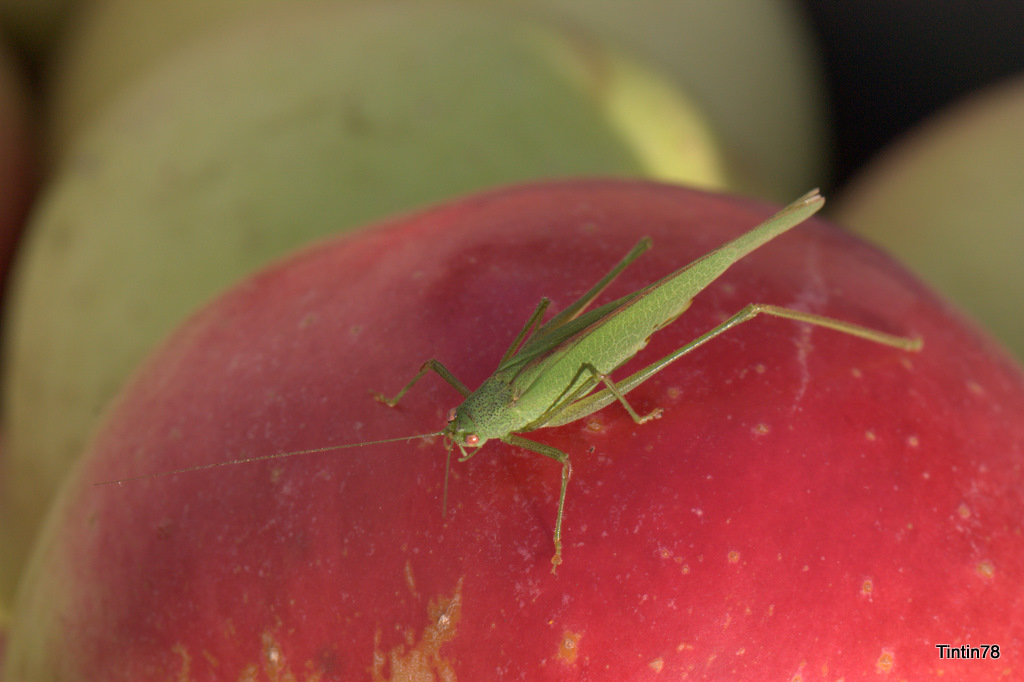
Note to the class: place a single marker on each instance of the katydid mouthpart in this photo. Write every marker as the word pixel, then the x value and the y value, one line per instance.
pixel 558 372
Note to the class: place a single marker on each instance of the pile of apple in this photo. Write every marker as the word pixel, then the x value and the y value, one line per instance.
pixel 810 505
pixel 250 136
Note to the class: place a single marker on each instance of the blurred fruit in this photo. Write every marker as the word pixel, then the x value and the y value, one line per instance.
pixel 809 505
pixel 751 66
pixel 17 182
pixel 115 43
pixel 308 120
pixel 948 200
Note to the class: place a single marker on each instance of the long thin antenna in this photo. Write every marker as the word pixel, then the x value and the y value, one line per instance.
pixel 261 458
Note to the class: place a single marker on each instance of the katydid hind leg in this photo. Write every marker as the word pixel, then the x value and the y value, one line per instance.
pixel 563 459
pixel 577 307
pixel 531 322
pixel 592 403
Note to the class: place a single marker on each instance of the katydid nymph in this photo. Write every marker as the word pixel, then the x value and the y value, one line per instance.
pixel 557 372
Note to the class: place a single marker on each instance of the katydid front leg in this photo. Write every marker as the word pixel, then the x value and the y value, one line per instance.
pixel 563 459
pixel 511 439
pixel 443 372
pixel 428 366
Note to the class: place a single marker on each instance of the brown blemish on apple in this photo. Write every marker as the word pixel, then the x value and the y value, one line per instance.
pixel 870 435
pixel 885 661
pixel 420 659
pixel 273 657
pixel 986 569
pixel 728 621
pixel 857 374
pixel 595 424
pixel 568 648
pixel 913 441
pixel 273 666
pixel 761 429
pixel 867 588
pixel 963 511
pixel 657 664
pixel 186 662
pixel 734 557
pixel 410 580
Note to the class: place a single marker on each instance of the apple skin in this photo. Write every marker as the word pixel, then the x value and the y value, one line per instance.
pixel 811 505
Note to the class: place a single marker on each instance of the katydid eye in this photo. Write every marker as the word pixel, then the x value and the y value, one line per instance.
pixel 472 439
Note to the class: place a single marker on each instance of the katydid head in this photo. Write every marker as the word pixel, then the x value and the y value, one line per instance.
pixel 462 431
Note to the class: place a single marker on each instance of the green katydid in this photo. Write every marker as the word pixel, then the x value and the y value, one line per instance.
pixel 548 378
pixel 549 373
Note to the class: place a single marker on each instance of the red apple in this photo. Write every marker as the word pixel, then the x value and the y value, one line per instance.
pixel 811 505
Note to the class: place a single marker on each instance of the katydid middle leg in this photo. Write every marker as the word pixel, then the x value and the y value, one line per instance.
pixel 578 404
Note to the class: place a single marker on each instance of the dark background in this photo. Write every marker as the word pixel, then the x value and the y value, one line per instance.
pixel 890 63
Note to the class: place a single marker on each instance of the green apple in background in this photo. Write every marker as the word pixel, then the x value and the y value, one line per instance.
pixel 113 43
pixel 304 120
pixel 751 66
pixel 948 200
